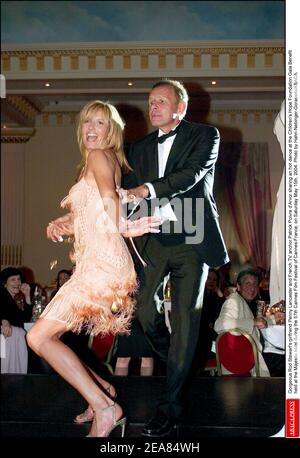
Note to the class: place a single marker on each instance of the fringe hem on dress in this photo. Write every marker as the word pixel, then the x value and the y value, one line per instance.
pixel 109 315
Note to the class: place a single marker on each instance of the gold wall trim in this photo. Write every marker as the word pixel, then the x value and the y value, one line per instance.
pixel 74 62
pixel 57 62
pixel 197 60
pixel 144 51
pixel 14 139
pixel 23 62
pixel 127 62
pixel 92 62
pixel 215 110
pixel 6 61
pixel 162 61
pixel 179 61
pixel 109 62
pixel 40 63
pixel 144 61
pixel 22 104
pixel 60 118
pixel 215 60
pixel 16 134
pixel 233 60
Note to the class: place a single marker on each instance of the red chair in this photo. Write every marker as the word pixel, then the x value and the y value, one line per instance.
pixel 102 346
pixel 237 352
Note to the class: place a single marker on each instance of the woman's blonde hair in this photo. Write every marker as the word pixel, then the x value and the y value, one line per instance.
pixel 114 139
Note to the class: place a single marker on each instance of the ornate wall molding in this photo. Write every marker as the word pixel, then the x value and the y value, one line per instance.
pixel 142 52
pixel 233 55
pixel 59 118
pixel 23 105
pixel 146 48
pixel 16 135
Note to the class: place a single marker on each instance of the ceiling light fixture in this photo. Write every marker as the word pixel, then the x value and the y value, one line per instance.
pixel 47 84
pixel 130 83
pixel 213 83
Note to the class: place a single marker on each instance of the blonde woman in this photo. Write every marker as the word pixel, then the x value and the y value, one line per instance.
pixel 97 297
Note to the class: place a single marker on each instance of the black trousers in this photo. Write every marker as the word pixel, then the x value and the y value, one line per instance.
pixel 188 275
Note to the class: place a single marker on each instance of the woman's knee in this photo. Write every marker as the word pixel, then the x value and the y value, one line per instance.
pixel 35 339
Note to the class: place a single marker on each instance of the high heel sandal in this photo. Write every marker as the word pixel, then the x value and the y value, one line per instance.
pixel 121 422
pixel 88 415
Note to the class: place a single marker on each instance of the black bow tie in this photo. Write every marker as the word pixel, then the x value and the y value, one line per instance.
pixel 164 137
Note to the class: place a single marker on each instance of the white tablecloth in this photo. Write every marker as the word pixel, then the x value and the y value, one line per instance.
pixel 274 335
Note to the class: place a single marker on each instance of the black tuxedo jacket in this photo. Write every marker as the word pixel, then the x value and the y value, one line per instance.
pixel 189 174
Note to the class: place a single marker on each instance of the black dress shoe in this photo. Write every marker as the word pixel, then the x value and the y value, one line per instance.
pixel 159 426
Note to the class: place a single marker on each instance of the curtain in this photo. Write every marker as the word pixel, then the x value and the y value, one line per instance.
pixel 243 173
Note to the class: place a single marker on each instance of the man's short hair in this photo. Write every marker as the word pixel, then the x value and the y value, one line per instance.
pixel 245 272
pixel 180 90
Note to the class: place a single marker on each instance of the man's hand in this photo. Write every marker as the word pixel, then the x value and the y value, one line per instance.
pixel 260 323
pixel 133 195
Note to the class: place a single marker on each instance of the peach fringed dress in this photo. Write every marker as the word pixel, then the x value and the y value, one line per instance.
pixel 97 297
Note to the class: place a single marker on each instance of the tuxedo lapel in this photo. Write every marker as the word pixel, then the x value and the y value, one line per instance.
pixel 177 147
pixel 150 162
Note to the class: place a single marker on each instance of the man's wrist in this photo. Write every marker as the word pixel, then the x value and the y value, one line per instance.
pixel 151 191
pixel 146 191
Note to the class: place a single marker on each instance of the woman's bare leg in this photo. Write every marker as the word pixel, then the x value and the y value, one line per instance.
pixel 43 338
pixel 88 414
pixel 108 387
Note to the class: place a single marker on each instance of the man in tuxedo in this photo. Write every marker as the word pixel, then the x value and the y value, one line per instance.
pixel 173 170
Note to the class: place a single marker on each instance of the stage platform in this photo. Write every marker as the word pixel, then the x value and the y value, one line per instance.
pixel 43 406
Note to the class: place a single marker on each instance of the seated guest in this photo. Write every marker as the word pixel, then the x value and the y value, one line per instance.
pixel 239 311
pixel 15 309
pixel 274 345
pixel 62 277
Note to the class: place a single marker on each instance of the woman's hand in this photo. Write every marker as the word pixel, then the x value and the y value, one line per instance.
pixel 25 288
pixel 140 226
pixel 6 328
pixel 59 227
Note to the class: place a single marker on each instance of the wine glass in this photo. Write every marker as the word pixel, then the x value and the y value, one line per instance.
pixel 260 308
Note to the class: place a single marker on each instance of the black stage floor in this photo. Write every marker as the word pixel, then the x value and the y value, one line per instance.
pixel 43 406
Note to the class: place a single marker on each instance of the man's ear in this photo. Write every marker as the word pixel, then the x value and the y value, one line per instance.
pixel 238 288
pixel 181 109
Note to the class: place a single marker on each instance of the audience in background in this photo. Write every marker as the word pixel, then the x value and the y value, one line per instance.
pixel 16 308
pixel 239 311
pixel 62 277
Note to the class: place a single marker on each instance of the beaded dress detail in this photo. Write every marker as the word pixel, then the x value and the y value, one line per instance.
pixel 98 296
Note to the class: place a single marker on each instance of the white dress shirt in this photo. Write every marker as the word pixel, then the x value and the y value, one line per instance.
pixel 165 212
